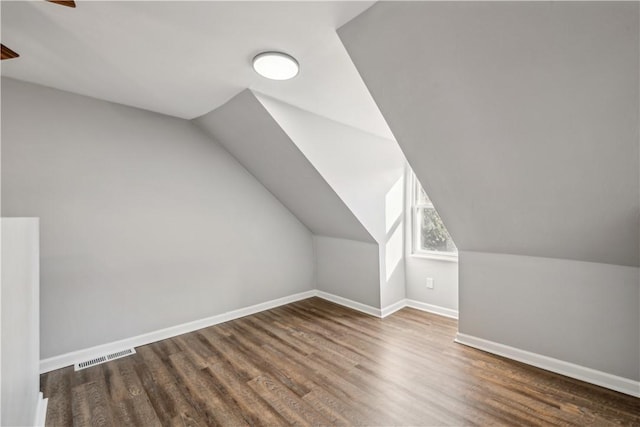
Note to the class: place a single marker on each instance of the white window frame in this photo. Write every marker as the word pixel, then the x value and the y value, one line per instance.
pixel 416 251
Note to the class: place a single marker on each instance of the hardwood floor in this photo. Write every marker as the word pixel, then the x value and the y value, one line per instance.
pixel 314 362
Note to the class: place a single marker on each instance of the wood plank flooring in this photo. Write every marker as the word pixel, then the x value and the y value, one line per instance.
pixel 317 363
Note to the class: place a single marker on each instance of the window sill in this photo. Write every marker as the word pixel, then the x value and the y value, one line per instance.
pixel 435 256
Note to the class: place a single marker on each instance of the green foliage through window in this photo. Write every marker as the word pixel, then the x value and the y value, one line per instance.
pixel 433 234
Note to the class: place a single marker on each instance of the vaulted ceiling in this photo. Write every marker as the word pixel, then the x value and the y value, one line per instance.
pixel 187 58
pixel 268 152
pixel 519 118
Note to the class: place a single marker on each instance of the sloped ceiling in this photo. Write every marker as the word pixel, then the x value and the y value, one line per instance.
pixel 186 58
pixel 520 119
pixel 360 167
pixel 247 130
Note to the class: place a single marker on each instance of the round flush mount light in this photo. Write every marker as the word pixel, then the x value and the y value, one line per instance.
pixel 276 65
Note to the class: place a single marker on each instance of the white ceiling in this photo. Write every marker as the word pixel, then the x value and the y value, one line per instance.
pixel 187 58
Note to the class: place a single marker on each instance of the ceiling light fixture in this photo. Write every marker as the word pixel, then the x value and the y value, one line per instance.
pixel 276 65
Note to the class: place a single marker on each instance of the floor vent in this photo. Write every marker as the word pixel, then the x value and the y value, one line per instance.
pixel 103 359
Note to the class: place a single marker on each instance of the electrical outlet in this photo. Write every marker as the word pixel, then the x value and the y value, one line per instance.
pixel 429 282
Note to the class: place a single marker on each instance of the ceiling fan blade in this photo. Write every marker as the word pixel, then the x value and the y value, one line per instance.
pixel 7 53
pixel 68 3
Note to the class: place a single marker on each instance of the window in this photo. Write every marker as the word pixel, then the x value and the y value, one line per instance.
pixel 430 236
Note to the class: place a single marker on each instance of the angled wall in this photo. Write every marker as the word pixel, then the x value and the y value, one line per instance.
pixel 516 117
pixel 145 222
pixel 255 139
pixel 349 269
pixel 366 171
pixel 521 121
pixel 347 262
pixel 360 167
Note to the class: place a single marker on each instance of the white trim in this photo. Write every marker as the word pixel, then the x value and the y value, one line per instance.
pixel 414 207
pixel 419 305
pixel 41 411
pixel 68 359
pixel 438 256
pixel 367 309
pixel 613 382
pixel 603 379
pixel 390 309
pixel 434 309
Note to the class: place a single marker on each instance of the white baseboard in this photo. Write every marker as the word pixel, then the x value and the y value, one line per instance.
pixel 613 382
pixel 41 411
pixel 68 359
pixel 418 305
pixel 390 309
pixel 364 308
pixel 435 309
pixel 603 379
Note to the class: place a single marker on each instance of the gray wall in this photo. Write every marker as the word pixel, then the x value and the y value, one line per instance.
pixel 519 118
pixel 445 281
pixel 521 121
pixel 335 178
pixel 365 171
pixel 586 313
pixel 252 135
pixel 146 222
pixel 19 344
pixel 349 269
pixel 417 268
pixel 360 167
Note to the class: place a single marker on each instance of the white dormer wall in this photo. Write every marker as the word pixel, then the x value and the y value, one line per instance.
pixel 367 173
pixel 346 252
